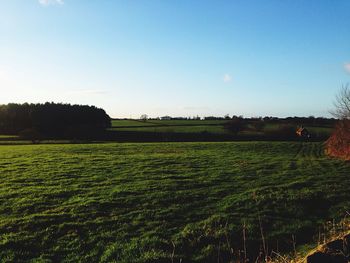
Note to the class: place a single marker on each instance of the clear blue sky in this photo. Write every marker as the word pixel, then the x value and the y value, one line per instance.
pixel 178 58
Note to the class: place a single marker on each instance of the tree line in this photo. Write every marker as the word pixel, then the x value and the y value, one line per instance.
pixel 311 120
pixel 52 120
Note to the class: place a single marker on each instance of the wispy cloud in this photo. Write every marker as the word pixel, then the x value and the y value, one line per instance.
pixel 227 78
pixel 347 67
pixel 50 2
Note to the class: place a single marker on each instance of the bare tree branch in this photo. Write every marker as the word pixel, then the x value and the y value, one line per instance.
pixel 342 103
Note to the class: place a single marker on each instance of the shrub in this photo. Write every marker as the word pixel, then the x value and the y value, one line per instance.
pixel 338 145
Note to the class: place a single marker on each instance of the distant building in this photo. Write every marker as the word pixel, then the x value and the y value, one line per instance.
pixel 165 118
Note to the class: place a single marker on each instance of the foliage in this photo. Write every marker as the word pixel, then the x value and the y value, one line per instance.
pixel 144 117
pixel 52 119
pixel 338 145
pixel 161 201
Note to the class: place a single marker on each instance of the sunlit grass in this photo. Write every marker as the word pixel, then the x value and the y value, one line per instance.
pixel 132 202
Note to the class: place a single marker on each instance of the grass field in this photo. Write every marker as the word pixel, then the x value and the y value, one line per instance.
pixel 171 126
pixel 154 202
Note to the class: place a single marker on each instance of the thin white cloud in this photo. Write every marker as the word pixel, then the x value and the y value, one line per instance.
pixel 347 67
pixel 50 2
pixel 227 78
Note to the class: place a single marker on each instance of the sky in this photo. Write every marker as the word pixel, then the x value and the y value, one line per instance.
pixel 177 58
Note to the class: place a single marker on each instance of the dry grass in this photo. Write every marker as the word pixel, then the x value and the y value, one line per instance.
pixel 331 232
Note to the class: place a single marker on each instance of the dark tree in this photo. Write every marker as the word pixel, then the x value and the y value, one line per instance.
pixel 53 119
pixel 144 117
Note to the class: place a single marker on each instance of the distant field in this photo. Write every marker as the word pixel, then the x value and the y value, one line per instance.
pixel 320 130
pixel 175 126
pixel 157 201
pixel 177 129
pixel 200 126
pixel 4 137
pixel 118 123
pixel 171 126
pixel 130 123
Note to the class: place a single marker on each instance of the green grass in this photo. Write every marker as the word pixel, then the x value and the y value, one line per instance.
pixel 129 202
pixel 171 126
pixel 190 122
pixel 130 123
pixel 177 129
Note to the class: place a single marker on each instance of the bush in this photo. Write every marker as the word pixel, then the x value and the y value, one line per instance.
pixel 338 145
